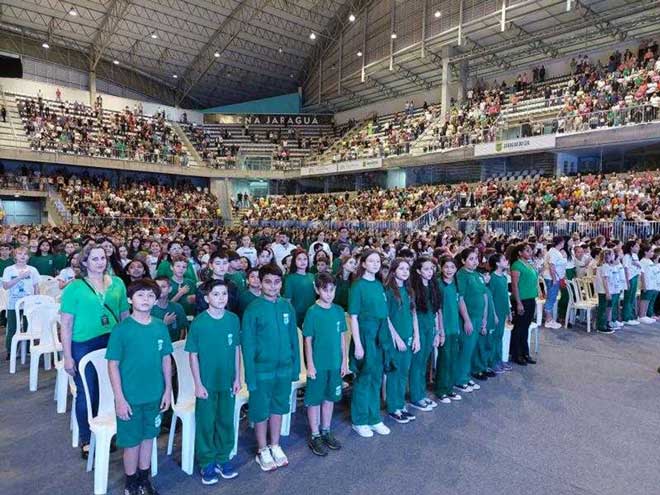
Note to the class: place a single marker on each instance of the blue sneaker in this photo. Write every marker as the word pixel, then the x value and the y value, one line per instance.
pixel 226 470
pixel 208 475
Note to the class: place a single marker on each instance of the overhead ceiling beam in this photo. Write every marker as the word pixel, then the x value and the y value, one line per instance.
pixel 414 78
pixel 107 29
pixel 599 21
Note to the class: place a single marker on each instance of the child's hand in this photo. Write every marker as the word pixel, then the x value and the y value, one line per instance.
pixel 359 352
pixel 236 387
pixel 344 368
pixel 169 318
pixel 468 328
pixel 311 371
pixel 183 290
pixel 520 309
pixel 497 320
pixel 483 330
pixel 166 401
pixel 416 346
pixel 399 344
pixel 201 392
pixel 123 410
pixel 191 299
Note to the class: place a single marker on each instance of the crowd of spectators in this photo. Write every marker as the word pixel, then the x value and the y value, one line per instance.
pixel 73 127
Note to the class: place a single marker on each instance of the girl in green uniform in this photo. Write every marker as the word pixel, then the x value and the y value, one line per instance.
pixel 253 290
pixel 649 283
pixel 482 352
pixel 450 330
pixel 43 261
pixel 502 305
pixel 299 285
pixel 604 285
pixel 165 267
pixel 183 289
pixel 402 323
pixel 367 306
pixel 427 301
pixel 347 268
pixel 472 289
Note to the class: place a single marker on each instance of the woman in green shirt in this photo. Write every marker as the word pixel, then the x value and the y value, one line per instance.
pixel 43 261
pixel 348 265
pixel 91 306
pixel 298 285
pixel 524 288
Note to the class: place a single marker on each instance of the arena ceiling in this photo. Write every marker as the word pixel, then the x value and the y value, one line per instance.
pixel 202 53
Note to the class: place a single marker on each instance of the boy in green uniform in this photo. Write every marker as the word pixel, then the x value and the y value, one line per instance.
pixel 499 287
pixel 214 361
pixel 253 291
pixel 325 352
pixel 271 356
pixel 5 256
pixel 62 257
pixel 172 313
pixel 183 289
pixel 140 370
pixel 235 272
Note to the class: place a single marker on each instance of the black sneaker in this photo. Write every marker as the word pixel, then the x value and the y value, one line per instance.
pixel 330 441
pixel 399 417
pixel 408 415
pixel 491 374
pixel 608 331
pixel 480 376
pixel 146 488
pixel 318 446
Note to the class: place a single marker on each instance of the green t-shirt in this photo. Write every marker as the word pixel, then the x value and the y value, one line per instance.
pixel 91 317
pixel 60 261
pixel 366 299
pixel 472 289
pixel 299 289
pixel 499 288
pixel 269 341
pixel 341 292
pixel 239 280
pixel 140 349
pixel 165 270
pixel 214 340
pixel 325 327
pixel 426 319
pixel 245 298
pixel 5 263
pixel 450 301
pixel 188 307
pixel 45 265
pixel 177 325
pixel 528 283
pixel 336 265
pixel 400 314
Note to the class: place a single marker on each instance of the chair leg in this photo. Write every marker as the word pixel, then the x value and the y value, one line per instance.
pixel 237 417
pixel 23 351
pixel 47 361
pixel 61 391
pixel 286 418
pixel 92 452
pixel 101 463
pixel 13 350
pixel 170 437
pixel 34 370
pixel 188 444
pixel 154 458
pixel 536 341
pixel 588 321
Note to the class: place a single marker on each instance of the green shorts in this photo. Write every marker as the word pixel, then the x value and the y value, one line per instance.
pixel 647 295
pixel 144 424
pixel 326 387
pixel 269 397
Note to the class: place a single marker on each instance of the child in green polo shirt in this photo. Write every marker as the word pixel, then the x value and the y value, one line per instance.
pixel 214 360
pixel 235 272
pixel 172 313
pixel 183 289
pixel 325 352
pixel 299 285
pixel 499 288
pixel 140 370
pixel 253 291
pixel 271 355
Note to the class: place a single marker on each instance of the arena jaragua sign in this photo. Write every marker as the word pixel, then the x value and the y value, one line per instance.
pixel 275 120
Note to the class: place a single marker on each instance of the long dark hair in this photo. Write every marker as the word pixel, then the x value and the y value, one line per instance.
pixel 463 255
pixel 390 282
pixel 513 253
pixel 363 257
pixel 420 290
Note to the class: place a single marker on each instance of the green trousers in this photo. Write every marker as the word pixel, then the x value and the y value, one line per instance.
pixel 652 298
pixel 445 368
pixel 467 346
pixel 214 428
pixel 397 381
pixel 630 300
pixel 495 355
pixel 481 353
pixel 419 365
pixel 368 373
pixel 616 311
pixel 603 304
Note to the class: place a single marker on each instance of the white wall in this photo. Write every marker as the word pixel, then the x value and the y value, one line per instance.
pixel 30 88
pixel 388 106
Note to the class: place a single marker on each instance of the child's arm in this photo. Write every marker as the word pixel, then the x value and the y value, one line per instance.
pixel 415 343
pixel 200 389
pixel 467 323
pixel 484 331
pixel 355 329
pixel 249 348
pixel 122 408
pixel 236 387
pixel 309 355
pixel 344 361
pixel 399 344
pixel 439 339
pixel 183 290
pixel 167 374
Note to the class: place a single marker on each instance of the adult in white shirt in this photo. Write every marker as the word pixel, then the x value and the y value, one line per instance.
pixel 554 272
pixel 282 247
pixel 248 250
pixel 632 270
pixel 153 258
pixel 320 240
pixel 581 260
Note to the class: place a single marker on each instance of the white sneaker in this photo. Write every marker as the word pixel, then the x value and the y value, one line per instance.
pixel 279 456
pixel 431 402
pixel 265 460
pixel 455 396
pixel 632 323
pixel 647 320
pixel 617 324
pixel 380 428
pixel 444 399
pixel 475 386
pixel 363 430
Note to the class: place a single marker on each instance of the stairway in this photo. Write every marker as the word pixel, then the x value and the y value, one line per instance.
pixel 195 159
pixel 237 217
pixel 12 132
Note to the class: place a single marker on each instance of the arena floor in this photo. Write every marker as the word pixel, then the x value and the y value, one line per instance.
pixel 584 420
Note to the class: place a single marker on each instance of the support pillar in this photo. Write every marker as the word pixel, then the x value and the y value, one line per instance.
pixel 222 189
pixel 92 88
pixel 444 88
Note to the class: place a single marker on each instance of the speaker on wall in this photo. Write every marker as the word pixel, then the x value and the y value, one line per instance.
pixel 11 66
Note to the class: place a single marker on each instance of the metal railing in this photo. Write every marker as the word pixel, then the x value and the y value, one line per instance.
pixel 106 221
pixel 611 229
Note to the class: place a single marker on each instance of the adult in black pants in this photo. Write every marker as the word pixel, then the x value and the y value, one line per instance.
pixel 524 290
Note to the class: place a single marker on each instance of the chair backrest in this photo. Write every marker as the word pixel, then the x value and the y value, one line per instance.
pixel 49 288
pixel 45 278
pixel 4 299
pixel 542 286
pixel 183 373
pixel 42 321
pixel 573 291
pixel 106 395
pixel 24 304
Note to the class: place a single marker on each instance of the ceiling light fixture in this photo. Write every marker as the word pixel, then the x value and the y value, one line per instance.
pixel 116 62
pixel 175 76
pixel 154 36
pixel 437 14
pixel 280 50
pixel 393 36
pixel 73 11
pixel 312 36
pixel 359 54
pixel 45 45
pixel 216 54
pixel 351 18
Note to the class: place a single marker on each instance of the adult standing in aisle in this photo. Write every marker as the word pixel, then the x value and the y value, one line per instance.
pixel 524 288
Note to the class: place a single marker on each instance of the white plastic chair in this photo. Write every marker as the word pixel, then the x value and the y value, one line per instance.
pixel 4 299
pixel 298 384
pixel 506 343
pixel 49 286
pixel 43 321
pixel 534 329
pixel 73 423
pixel 104 424
pixel 22 335
pixel 241 399
pixel 183 408
pixel 576 302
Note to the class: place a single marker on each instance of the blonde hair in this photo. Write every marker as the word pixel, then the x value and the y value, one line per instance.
pixel 84 256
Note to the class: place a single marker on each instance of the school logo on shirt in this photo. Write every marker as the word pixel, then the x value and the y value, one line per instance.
pixel 230 338
pixel 338 391
pixel 285 318
pixel 384 296
pixel 157 421
pixel 338 326
pixel 160 344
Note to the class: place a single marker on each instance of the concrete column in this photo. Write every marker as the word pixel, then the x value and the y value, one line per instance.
pixel 444 88
pixel 462 81
pixel 396 179
pixel 222 189
pixel 92 88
